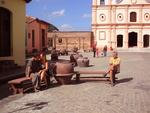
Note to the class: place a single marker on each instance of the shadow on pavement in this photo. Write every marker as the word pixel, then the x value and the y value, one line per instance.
pixel 124 80
pixel 33 106
pixel 5 92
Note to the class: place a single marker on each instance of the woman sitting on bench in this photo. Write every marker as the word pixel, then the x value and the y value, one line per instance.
pixel 47 70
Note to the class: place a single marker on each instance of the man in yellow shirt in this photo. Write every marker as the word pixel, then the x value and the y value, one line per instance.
pixel 114 67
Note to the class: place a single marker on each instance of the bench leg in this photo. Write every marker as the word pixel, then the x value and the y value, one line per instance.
pixel 13 88
pixel 20 90
pixel 77 77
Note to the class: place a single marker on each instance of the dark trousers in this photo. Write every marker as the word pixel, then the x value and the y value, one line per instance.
pixel 94 53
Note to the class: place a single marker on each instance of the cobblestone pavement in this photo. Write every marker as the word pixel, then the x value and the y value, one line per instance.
pixel 130 95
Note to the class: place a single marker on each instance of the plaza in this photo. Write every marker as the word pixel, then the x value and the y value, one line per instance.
pixel 129 95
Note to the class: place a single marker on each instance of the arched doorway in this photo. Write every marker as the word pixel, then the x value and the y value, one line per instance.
pixel 119 40
pixel 146 41
pixel 5 41
pixel 132 42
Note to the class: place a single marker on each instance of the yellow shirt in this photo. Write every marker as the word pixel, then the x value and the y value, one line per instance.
pixel 114 61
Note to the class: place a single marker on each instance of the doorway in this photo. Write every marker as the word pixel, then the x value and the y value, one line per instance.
pixel 146 41
pixel 5 40
pixel 119 40
pixel 132 42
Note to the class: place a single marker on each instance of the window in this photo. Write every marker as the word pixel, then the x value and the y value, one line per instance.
pixel 102 35
pixel 43 37
pixel 5 35
pixel 147 16
pixel 102 17
pixel 133 17
pixel 33 39
pixel 59 40
pixel 120 17
pixel 102 2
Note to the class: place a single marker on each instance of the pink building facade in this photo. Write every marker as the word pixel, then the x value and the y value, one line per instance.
pixel 36 34
pixel 121 23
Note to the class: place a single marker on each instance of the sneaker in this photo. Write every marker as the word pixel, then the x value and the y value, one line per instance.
pixel 37 89
pixel 112 84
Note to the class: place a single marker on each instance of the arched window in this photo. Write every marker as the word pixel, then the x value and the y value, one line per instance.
pixel 5 26
pixel 133 17
pixel 102 2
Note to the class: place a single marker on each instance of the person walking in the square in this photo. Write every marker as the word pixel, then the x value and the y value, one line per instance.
pixel 105 51
pixel 94 50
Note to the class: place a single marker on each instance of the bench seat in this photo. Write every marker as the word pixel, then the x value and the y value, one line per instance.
pixel 20 85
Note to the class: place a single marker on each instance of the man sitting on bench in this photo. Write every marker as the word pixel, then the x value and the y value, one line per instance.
pixel 114 67
pixel 33 71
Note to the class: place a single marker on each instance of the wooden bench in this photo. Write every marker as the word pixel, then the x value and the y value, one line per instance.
pixel 20 85
pixel 78 74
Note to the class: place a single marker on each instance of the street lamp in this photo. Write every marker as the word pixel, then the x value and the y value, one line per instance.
pixel 54 37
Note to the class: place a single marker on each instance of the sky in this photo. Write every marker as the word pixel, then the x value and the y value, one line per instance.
pixel 66 15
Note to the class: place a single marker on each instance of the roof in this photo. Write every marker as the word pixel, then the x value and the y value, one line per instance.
pixel 30 19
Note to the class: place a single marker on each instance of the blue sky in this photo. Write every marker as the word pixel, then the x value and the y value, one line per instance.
pixel 66 15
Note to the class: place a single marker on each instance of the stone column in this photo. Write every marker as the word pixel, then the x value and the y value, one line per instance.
pixel 94 17
pixel 126 14
pixel 114 14
pixel 94 2
pixel 110 15
pixel 109 39
pixel 67 43
pixel 125 38
pixel 113 39
pixel 140 42
pixel 140 14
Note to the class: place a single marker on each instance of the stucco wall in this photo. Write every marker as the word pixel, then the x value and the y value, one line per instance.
pixel 113 18
pixel 82 40
pixel 17 8
pixel 37 27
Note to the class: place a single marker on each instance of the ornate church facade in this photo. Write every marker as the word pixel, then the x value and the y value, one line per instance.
pixel 121 23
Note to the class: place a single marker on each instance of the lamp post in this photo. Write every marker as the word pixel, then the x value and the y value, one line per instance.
pixel 54 37
pixel 83 43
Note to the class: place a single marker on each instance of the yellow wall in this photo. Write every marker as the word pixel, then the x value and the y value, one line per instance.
pixel 17 8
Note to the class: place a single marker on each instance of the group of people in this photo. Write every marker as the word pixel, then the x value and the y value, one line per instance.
pixel 37 70
pixel 97 51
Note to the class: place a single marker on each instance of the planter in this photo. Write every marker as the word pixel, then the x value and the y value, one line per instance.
pixel 83 62
pixel 74 58
pixel 64 72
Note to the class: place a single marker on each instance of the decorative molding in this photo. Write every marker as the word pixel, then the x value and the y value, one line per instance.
pixel 147 1
pixel 133 1
pixel 122 24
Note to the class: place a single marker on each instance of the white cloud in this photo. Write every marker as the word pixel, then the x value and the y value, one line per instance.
pixel 86 15
pixel 66 27
pixel 58 13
